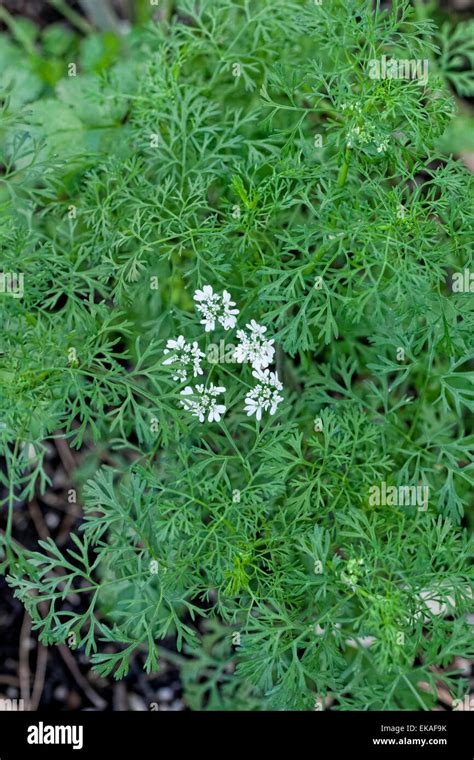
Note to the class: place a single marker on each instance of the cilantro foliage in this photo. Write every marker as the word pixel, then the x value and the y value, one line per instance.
pixel 245 145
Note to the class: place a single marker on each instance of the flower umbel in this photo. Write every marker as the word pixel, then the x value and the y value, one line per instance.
pixel 265 395
pixel 215 308
pixel 183 355
pixel 254 347
pixel 201 402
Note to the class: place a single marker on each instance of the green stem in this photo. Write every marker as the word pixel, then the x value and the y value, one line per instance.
pixel 341 180
pixel 245 464
pixel 418 698
pixel 11 497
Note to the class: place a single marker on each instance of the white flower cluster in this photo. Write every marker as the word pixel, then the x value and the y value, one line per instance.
pixel 203 403
pixel 182 355
pixel 352 136
pixel 357 136
pixel 265 395
pixel 354 107
pixel 253 348
pixel 215 307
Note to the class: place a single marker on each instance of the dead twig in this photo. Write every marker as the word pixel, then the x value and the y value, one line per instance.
pixel 38 684
pixel 23 660
pixel 82 682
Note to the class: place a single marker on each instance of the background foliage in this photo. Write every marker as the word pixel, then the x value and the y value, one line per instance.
pixel 157 161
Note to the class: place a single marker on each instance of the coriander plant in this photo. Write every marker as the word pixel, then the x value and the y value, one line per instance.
pixel 236 277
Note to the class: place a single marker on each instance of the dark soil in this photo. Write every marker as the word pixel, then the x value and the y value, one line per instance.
pixel 39 11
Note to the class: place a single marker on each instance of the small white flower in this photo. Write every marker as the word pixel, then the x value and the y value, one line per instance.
pixel 356 106
pixel 256 329
pixel 254 348
pixel 215 308
pixel 202 402
pixel 183 355
pixel 265 395
pixel 228 317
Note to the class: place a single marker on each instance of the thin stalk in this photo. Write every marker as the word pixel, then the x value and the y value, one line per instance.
pixel 74 18
pixel 341 180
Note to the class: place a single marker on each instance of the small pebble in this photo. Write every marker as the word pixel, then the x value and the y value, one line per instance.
pixel 52 520
pixel 60 693
pixel 165 694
